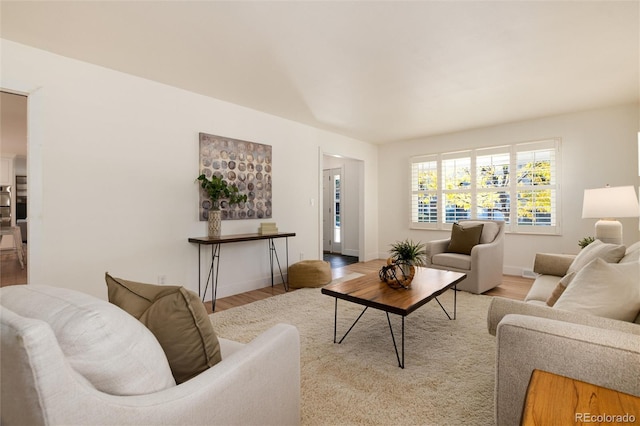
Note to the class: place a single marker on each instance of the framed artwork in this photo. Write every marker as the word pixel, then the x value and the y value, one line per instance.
pixel 247 165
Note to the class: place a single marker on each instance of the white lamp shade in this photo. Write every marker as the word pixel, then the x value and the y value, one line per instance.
pixel 610 202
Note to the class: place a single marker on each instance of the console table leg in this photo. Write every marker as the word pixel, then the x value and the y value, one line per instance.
pixel 212 276
pixel 215 257
pixel 199 273
pixel 273 252
pixel 286 284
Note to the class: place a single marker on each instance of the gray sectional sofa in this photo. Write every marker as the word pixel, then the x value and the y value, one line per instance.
pixel 566 338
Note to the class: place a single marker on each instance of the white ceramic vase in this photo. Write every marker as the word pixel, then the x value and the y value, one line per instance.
pixel 215 223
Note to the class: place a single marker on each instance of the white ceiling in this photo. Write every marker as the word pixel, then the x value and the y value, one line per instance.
pixel 377 71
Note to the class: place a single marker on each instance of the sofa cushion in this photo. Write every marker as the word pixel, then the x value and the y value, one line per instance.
pixel 610 253
pixel 464 238
pixel 632 254
pixel 452 260
pixel 176 317
pixel 542 288
pixel 559 289
pixel 489 230
pixel 604 289
pixel 108 347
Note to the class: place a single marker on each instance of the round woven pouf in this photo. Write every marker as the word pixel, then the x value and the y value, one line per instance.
pixel 309 273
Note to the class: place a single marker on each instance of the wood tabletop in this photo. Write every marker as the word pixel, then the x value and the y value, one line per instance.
pixel 368 290
pixel 558 400
pixel 234 238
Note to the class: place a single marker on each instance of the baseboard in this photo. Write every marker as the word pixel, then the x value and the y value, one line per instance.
pixel 227 290
pixel 354 253
pixel 519 271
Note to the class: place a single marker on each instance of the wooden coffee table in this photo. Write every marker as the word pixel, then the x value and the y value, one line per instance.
pixel 370 292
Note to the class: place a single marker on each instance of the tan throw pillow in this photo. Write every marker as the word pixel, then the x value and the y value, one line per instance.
pixel 490 229
pixel 560 288
pixel 604 289
pixel 611 253
pixel 177 318
pixel 463 239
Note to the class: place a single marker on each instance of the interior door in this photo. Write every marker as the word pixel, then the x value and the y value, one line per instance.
pixel 331 218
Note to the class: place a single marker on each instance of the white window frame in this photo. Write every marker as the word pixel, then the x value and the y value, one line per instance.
pixel 552 145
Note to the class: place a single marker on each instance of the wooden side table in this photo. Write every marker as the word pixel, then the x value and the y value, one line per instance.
pixel 558 400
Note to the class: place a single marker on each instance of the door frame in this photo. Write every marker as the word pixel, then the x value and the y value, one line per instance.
pixel 359 195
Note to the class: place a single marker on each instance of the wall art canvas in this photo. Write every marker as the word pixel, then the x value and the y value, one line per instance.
pixel 247 165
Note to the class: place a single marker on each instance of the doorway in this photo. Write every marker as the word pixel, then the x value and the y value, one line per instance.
pixel 331 219
pixel 341 225
pixel 13 177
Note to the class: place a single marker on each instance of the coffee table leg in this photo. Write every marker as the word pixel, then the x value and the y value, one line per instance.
pixel 393 337
pixel 335 323
pixel 455 302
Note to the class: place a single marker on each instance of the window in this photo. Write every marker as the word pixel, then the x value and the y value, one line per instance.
pixel 515 183
pixel 424 191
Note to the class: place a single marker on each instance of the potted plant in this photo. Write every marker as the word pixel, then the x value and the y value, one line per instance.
pixel 585 242
pixel 217 189
pixel 407 253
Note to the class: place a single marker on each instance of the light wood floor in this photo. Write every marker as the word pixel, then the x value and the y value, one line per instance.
pixel 10 271
pixel 512 287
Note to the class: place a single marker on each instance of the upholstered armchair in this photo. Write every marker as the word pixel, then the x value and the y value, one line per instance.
pixel 480 259
pixel 71 359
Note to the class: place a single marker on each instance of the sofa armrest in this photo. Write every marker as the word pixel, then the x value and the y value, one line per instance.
pixel 492 249
pixel 258 384
pixel 552 264
pixel 435 247
pixel 525 343
pixel 500 307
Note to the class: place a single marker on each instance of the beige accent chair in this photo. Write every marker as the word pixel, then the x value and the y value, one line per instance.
pixel 483 266
pixel 112 371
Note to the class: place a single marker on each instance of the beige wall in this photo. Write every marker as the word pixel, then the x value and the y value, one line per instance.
pixel 112 159
pixel 598 147
pixel 112 164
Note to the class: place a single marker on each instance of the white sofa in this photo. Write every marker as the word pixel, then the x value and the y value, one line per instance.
pixel 256 383
pixel 531 335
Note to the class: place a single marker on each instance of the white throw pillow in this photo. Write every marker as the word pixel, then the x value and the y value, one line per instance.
pixel 110 348
pixel 604 289
pixel 611 253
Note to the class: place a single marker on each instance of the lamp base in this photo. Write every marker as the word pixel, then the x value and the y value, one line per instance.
pixel 609 231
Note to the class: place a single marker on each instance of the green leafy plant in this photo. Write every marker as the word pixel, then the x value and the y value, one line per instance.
pixel 408 252
pixel 217 189
pixel 585 241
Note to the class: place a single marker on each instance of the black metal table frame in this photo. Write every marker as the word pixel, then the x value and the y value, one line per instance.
pixel 212 276
pixel 393 338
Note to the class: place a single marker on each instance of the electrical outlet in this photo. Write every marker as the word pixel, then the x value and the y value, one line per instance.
pixel 162 279
pixel 301 256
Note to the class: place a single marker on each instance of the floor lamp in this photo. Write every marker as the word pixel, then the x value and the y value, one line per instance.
pixel 608 204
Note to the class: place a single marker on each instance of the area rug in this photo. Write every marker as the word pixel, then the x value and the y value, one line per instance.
pixel 449 365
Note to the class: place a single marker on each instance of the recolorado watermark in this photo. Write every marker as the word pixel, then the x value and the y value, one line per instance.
pixel 604 418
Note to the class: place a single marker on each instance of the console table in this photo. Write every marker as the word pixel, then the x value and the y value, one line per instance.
pixel 216 243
